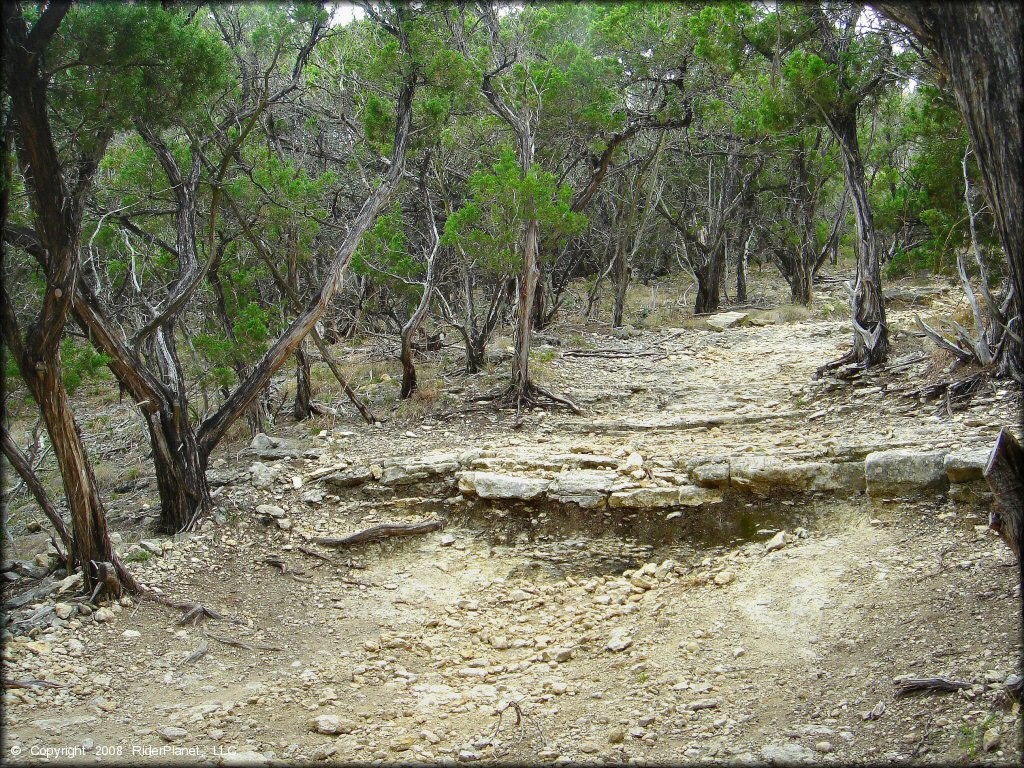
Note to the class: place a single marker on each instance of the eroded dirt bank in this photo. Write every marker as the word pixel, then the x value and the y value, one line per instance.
pixel 502 638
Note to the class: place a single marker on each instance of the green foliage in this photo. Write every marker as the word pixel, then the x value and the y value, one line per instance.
pixel 384 250
pixel 488 227
pixel 251 327
pixel 125 60
pixel 80 363
pixel 919 187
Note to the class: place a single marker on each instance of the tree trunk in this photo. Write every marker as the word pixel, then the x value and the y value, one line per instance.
pixel 802 281
pixel 871 334
pixel 213 429
pixel 620 270
pixel 90 541
pixel 978 47
pixel 540 304
pixel 527 286
pixel 302 408
pixel 476 351
pixel 1005 476
pixel 180 470
pixel 409 383
pixel 741 271
pixel 709 281
pixel 180 467
pixel 56 206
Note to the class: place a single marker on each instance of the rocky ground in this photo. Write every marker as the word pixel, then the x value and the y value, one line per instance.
pixel 722 560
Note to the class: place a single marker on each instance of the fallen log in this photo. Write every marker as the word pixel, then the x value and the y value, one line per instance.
pixel 380 532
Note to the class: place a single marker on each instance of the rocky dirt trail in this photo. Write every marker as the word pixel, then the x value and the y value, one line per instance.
pixel 666 579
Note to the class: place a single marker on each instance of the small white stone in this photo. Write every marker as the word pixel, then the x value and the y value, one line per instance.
pixel 171 733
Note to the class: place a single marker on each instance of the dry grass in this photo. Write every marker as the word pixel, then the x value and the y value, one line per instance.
pixel 788 313
pixel 428 398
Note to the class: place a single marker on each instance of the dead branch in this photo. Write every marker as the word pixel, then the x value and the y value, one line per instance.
pixel 319 555
pixel 380 532
pixel 197 654
pixel 924 737
pixel 196 613
pixel 910 685
pixel 285 570
pixel 192 611
pixel 230 641
pixel 32 684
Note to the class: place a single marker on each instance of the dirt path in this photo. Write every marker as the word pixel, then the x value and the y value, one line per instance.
pixel 483 641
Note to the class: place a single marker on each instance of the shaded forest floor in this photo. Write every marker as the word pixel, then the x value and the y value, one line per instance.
pixel 521 634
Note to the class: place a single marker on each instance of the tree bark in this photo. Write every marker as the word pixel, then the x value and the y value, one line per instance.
pixel 620 274
pixel 801 284
pixel 302 407
pixel 709 282
pixel 978 48
pixel 871 334
pixel 179 466
pixel 1005 476
pixel 57 213
pixel 741 271
pixel 527 285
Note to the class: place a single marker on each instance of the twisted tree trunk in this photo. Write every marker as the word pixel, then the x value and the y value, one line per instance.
pixel 978 49
pixel 56 205
pixel 871 334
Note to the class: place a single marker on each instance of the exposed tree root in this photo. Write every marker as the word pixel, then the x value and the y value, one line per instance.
pixel 850 358
pixel 521 398
pixel 230 641
pixel 958 391
pixel 191 612
pixel 195 613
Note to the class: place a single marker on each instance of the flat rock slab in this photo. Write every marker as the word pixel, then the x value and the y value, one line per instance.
pixel 904 472
pixel 491 485
pixel 586 487
pixel 418 470
pixel 725 320
pixel 966 466
pixel 350 477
